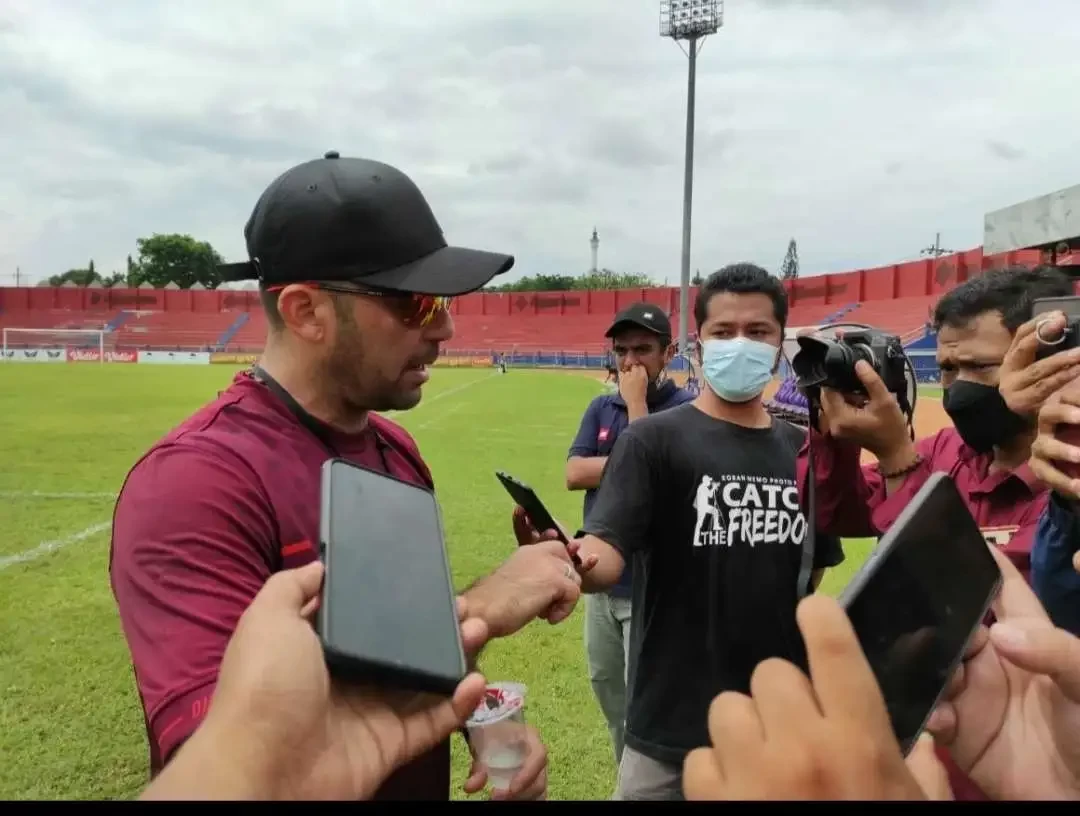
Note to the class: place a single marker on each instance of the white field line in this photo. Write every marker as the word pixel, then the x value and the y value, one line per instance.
pixel 46 547
pixel 457 389
pixel 453 409
pixel 428 401
pixel 46 495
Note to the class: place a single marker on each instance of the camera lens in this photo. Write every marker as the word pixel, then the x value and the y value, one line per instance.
pixel 809 361
pixel 840 366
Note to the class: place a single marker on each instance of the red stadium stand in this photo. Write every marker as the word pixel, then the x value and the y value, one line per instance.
pixel 56 319
pixel 896 298
pixel 901 316
pixel 174 330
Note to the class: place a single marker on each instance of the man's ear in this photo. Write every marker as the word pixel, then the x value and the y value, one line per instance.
pixel 306 311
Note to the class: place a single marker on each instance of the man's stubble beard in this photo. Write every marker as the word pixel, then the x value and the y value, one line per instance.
pixel 345 372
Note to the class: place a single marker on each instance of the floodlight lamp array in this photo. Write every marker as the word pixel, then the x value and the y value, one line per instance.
pixel 689 19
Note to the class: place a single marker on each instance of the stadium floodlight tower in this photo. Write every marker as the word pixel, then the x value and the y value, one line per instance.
pixel 690 21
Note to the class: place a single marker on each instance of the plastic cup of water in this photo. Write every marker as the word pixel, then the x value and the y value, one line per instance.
pixel 497 733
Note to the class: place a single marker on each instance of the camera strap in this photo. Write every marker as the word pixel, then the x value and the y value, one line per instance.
pixel 806 563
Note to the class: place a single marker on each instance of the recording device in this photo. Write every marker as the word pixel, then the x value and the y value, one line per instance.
pixel 822 361
pixel 527 500
pixel 388 612
pixel 829 362
pixel 1070 338
pixel 918 600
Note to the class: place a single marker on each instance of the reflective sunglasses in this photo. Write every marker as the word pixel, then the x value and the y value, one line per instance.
pixel 415 310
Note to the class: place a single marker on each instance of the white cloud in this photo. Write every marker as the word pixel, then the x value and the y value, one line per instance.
pixel 860 127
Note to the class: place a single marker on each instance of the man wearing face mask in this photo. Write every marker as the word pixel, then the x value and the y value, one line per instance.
pixel 987 449
pixel 985 452
pixel 641 350
pixel 702 500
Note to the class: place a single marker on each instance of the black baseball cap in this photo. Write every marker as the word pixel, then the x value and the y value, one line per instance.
pixel 641 316
pixel 358 221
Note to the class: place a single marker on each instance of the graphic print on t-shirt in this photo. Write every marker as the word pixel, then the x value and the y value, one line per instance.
pixel 740 510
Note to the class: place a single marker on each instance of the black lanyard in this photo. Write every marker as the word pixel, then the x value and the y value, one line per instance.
pixel 313 426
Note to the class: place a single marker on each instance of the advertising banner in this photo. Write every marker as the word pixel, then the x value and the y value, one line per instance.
pixel 82 355
pixel 463 362
pixel 34 356
pixel 174 357
pixel 229 358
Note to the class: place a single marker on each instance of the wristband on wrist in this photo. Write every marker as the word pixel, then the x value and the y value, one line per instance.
pixel 904 471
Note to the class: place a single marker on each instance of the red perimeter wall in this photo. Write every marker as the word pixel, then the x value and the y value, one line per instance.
pixel 914 279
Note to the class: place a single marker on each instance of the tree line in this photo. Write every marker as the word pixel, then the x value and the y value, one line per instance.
pixel 159 261
pixel 186 261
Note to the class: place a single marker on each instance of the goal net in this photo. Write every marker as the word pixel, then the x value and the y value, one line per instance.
pixel 53 345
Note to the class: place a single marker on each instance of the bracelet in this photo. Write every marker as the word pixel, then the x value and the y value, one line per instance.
pixel 904 471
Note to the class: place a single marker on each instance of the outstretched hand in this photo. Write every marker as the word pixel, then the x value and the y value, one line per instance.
pixel 1026 383
pixel 280 726
pixel 823 737
pixel 526 533
pixel 1011 719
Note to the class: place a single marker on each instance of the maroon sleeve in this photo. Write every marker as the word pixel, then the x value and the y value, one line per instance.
pixel 842 486
pixel 193 542
pixel 934 457
pixel 852 500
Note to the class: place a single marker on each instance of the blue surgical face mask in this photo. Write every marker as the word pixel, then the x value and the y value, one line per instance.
pixel 739 369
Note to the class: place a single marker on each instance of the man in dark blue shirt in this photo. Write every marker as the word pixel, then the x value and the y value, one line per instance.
pixel 1056 548
pixel 641 348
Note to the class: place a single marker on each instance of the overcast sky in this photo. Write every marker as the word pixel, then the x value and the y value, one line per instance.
pixel 859 127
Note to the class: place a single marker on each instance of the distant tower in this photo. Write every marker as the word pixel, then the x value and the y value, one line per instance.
pixel 789 269
pixel 936 251
pixel 595 244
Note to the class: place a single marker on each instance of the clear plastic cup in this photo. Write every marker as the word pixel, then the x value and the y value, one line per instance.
pixel 497 732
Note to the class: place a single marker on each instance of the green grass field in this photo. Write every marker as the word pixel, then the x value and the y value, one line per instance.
pixel 70 723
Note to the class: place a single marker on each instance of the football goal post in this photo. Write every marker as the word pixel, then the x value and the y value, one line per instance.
pixel 46 345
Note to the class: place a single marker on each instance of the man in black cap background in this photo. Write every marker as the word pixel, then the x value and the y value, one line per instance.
pixel 354 275
pixel 641 350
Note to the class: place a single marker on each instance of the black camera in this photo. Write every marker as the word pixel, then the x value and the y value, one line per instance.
pixel 830 363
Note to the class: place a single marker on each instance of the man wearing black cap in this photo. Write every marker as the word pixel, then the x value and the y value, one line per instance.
pixel 354 275
pixel 641 350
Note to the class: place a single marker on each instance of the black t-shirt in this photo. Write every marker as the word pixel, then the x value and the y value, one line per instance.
pixel 709 513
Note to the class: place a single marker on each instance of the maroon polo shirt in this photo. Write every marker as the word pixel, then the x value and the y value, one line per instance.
pixel 203 519
pixel 851 501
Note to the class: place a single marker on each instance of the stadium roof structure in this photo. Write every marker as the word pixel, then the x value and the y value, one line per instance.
pixel 1049 222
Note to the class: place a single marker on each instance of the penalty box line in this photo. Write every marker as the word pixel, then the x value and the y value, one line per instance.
pixel 46 495
pixel 46 547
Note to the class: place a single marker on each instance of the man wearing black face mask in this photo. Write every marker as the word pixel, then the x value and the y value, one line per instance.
pixel 985 452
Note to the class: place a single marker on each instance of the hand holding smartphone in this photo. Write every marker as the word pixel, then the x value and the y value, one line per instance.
pixel 525 497
pixel 388 613
pixel 1053 342
pixel 918 600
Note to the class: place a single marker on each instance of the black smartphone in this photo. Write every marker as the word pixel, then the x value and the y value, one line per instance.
pixel 1070 307
pixel 388 613
pixel 918 600
pixel 527 499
